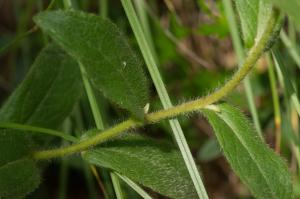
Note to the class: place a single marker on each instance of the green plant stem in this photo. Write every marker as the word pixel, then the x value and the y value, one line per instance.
pixel 94 107
pixel 103 10
pixel 286 81
pixel 276 105
pixel 99 182
pixel 64 166
pixel 150 59
pixel 138 189
pixel 105 135
pixel 90 181
pixel 254 54
pixel 63 179
pixel 237 43
pixel 140 6
pixel 92 99
pixel 29 128
pixel 117 185
pixel 67 4
pixel 287 84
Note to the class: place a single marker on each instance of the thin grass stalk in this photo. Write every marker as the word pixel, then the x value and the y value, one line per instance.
pixel 149 56
pixel 276 104
pixel 133 185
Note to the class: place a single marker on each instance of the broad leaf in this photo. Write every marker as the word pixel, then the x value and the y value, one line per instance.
pixel 19 176
pixel 44 98
pixel 48 92
pixel 264 172
pixel 97 43
pixel 153 164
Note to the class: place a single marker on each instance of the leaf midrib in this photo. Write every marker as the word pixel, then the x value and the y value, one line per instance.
pixel 46 95
pixel 247 149
pixel 131 155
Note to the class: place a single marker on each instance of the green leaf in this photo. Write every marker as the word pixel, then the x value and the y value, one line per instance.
pixel 153 164
pixel 263 171
pixel 290 7
pixel 48 92
pixel 14 145
pixel 18 178
pixel 44 98
pixel 110 63
pixel 254 16
pixel 247 11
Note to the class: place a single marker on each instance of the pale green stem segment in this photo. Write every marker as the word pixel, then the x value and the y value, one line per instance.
pixel 140 6
pixel 117 185
pixel 67 4
pixel 276 104
pixel 192 106
pixel 28 128
pixel 150 58
pixel 103 10
pixel 64 166
pixel 290 100
pixel 241 56
pixel 138 189
pixel 92 99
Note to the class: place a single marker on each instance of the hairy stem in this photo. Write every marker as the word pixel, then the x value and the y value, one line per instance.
pixel 142 34
pixel 238 47
pixel 253 55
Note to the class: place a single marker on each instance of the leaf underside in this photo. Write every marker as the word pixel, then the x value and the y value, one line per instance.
pixel 263 171
pixel 153 164
pixel 254 16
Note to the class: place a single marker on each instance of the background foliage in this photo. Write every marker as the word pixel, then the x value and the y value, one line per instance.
pixel 196 49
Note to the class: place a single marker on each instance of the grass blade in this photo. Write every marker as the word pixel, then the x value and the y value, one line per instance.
pixel 165 99
pixel 133 185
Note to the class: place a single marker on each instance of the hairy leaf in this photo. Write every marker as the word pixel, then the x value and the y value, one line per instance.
pixel 155 165
pixel 264 172
pixel 18 178
pixel 247 11
pixel 48 92
pixel 44 98
pixel 254 16
pixel 97 43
